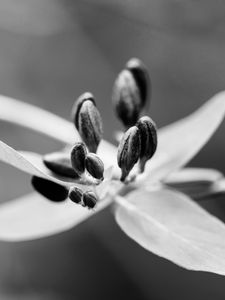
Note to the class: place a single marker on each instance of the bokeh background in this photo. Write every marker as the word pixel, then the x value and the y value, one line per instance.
pixel 51 51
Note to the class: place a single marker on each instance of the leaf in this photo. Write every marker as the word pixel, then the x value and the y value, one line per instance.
pixel 179 142
pixel 44 122
pixel 172 226
pixel 32 217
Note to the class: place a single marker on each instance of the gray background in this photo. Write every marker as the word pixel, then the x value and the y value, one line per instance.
pixel 52 51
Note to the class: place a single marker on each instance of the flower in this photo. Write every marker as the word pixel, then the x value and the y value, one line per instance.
pixel 155 209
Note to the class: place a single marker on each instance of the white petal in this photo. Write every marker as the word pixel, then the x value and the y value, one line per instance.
pixel 31 163
pixel 198 183
pixel 178 143
pixel 44 122
pixel 32 217
pixel 172 226
pixel 37 119
pixel 193 176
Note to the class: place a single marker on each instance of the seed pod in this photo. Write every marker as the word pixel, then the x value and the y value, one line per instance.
pixel 126 98
pixel 89 199
pixel 77 106
pixel 141 76
pixel 94 165
pixel 75 194
pixel 148 133
pixel 60 163
pixel 77 156
pixel 49 189
pixel 129 151
pixel 88 121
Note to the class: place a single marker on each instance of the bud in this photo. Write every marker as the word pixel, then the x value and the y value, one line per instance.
pixel 75 194
pixel 94 165
pixel 49 189
pixel 89 199
pixel 77 156
pixel 126 98
pixel 88 121
pixel 60 163
pixel 129 151
pixel 148 133
pixel 141 76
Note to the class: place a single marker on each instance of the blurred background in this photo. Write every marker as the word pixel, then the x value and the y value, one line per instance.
pixel 51 51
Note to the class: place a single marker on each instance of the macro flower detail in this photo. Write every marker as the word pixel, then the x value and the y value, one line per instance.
pixel 155 208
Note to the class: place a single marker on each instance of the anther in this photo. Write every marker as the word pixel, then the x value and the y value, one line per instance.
pixel 126 98
pixel 129 151
pixel 75 194
pixel 89 199
pixel 77 156
pixel 49 189
pixel 148 134
pixel 141 76
pixel 94 166
pixel 60 163
pixel 77 106
pixel 88 121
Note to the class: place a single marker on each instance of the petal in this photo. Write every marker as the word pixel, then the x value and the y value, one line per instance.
pixel 44 122
pixel 37 119
pixel 172 226
pixel 198 183
pixel 193 176
pixel 32 217
pixel 178 143
pixel 31 163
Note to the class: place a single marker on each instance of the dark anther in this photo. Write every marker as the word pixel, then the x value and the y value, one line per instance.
pixel 130 92
pixel 94 165
pixel 126 98
pixel 148 133
pixel 60 163
pixel 129 151
pixel 142 78
pixel 89 199
pixel 49 189
pixel 75 194
pixel 88 121
pixel 78 155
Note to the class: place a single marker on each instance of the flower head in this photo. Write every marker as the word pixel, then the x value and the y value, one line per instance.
pixel 151 204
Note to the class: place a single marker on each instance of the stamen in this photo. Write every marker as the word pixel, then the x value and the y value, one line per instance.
pixel 78 155
pixel 126 98
pixel 142 78
pixel 94 166
pixel 129 151
pixel 148 134
pixel 60 163
pixel 89 199
pixel 49 189
pixel 88 121
pixel 75 194
pixel 130 92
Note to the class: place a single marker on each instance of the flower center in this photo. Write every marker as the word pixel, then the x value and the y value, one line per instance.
pixel 138 144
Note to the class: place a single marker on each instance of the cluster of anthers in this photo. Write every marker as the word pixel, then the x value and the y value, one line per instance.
pixel 137 145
